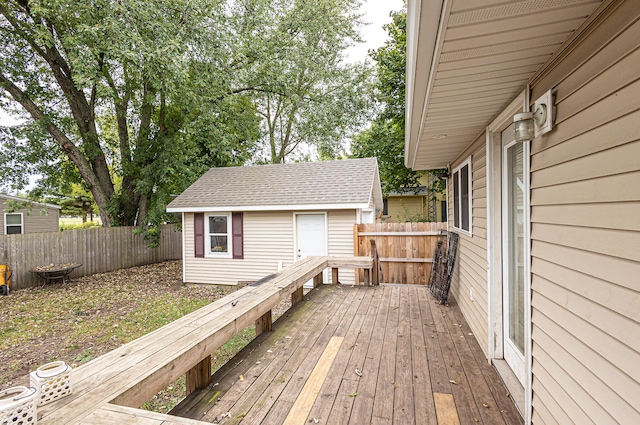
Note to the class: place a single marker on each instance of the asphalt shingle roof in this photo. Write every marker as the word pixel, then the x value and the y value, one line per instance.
pixel 295 184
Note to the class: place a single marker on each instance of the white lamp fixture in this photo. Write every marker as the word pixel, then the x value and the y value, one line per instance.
pixel 529 125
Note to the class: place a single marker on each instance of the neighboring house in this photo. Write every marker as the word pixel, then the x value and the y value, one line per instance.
pixel 242 223
pixel 38 217
pixel 414 205
pixel 549 255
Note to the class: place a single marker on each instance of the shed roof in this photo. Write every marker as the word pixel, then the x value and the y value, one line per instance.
pixel 341 184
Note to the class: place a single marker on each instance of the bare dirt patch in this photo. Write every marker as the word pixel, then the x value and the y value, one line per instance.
pixel 91 315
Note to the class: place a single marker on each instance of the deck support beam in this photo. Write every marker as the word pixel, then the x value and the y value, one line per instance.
pixel 318 280
pixel 297 296
pixel 367 279
pixel 334 276
pixel 264 323
pixel 199 376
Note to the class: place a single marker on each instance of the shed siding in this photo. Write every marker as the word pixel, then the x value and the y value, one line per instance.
pixel 340 225
pixel 39 219
pixel 585 209
pixel 471 268
pixel 268 238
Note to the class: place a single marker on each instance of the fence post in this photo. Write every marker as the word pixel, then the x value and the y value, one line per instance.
pixel 375 275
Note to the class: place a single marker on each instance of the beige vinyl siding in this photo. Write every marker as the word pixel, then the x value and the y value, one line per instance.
pixel 268 238
pixel 37 220
pixel 585 213
pixel 471 269
pixel 340 226
pixel 403 208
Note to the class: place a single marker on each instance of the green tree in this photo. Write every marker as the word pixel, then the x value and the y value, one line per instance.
pixel 384 138
pixel 118 90
pixel 314 100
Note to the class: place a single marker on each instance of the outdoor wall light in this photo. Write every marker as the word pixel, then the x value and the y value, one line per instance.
pixel 529 125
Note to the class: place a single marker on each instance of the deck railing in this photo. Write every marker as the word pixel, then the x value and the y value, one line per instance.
pixel 112 386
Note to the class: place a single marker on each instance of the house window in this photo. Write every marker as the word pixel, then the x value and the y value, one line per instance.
pixel 385 206
pixel 461 179
pixel 13 224
pixel 218 235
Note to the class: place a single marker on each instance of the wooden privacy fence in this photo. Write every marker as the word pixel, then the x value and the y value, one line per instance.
pixel 99 250
pixel 405 250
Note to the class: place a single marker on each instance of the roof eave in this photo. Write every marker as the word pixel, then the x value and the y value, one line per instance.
pixel 19 199
pixel 376 190
pixel 423 27
pixel 309 207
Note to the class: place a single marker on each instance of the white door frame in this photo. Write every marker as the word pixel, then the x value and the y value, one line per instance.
pixel 510 352
pixel 495 241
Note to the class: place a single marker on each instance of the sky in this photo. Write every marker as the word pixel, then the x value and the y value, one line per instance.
pixel 376 13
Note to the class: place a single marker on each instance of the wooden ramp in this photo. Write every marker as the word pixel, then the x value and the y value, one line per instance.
pixel 358 355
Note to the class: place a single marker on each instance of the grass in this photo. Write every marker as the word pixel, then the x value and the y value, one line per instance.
pixel 92 315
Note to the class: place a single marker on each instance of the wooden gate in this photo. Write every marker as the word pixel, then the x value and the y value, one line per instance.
pixel 405 250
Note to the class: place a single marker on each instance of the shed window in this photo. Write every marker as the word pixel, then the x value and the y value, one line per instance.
pixel 218 235
pixel 461 180
pixel 13 224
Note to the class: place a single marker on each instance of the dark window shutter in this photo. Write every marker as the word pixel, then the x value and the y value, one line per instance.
pixel 198 233
pixel 236 231
pixel 456 199
pixel 465 192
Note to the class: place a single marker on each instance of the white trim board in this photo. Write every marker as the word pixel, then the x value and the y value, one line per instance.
pixel 494 244
pixel 309 207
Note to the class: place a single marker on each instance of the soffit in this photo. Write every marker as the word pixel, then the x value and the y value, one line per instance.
pixel 485 52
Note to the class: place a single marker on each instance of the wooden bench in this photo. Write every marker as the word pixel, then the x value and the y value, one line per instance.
pixel 108 389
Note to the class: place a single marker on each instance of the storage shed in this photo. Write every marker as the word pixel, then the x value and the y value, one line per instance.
pixel 38 217
pixel 242 223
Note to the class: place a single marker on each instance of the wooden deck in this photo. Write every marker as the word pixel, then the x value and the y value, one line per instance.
pixel 359 355
pixel 108 389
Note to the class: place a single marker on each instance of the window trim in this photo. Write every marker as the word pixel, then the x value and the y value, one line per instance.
pixel 207 236
pixel 14 225
pixel 457 200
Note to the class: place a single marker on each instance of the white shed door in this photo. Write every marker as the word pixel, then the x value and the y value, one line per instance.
pixel 311 237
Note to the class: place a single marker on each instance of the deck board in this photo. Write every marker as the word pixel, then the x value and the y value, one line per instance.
pixel 405 347
pixel 424 403
pixel 363 404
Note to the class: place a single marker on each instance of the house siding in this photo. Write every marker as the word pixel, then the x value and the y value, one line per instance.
pixel 585 231
pixel 40 219
pixel 268 238
pixel 403 208
pixel 471 269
